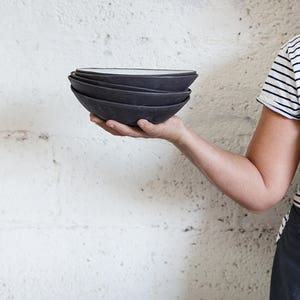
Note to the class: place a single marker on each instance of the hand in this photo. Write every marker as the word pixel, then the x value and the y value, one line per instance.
pixel 171 130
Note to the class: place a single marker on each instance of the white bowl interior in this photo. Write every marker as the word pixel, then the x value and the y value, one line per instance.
pixel 134 71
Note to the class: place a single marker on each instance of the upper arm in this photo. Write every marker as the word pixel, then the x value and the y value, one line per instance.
pixel 275 151
pixel 275 146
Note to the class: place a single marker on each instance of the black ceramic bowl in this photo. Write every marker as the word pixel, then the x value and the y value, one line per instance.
pixel 113 86
pixel 128 97
pixel 128 114
pixel 175 82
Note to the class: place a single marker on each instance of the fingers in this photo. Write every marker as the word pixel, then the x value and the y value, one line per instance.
pixel 125 130
pixel 102 124
pixel 149 128
pixel 117 128
pixel 170 130
pixel 96 120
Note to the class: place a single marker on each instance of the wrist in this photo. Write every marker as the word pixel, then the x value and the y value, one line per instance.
pixel 179 135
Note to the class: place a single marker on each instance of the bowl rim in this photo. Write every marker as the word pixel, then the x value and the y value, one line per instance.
pixel 172 72
pixel 188 91
pixel 131 105
pixel 114 85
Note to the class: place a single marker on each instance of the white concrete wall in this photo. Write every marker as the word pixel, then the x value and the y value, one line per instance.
pixel 84 215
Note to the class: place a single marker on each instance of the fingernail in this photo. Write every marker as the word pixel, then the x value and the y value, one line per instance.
pixel 111 125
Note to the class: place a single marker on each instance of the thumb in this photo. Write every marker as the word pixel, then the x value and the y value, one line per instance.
pixel 148 127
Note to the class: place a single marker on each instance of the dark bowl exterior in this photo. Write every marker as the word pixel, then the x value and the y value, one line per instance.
pixel 128 114
pixel 128 97
pixel 163 83
pixel 113 86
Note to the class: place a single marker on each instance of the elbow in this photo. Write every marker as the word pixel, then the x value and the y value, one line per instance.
pixel 264 205
pixel 258 211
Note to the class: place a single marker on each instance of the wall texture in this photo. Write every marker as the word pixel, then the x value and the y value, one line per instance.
pixel 84 215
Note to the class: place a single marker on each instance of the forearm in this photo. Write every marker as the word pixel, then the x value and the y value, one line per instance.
pixel 258 180
pixel 235 175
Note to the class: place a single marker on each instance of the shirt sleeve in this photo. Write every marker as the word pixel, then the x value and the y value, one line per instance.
pixel 280 91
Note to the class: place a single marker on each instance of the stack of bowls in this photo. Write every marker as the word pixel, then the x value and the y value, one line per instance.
pixel 127 95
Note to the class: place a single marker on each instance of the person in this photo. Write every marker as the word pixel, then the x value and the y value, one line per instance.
pixel 260 178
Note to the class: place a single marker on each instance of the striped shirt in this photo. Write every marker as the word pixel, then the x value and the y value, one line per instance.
pixel 281 92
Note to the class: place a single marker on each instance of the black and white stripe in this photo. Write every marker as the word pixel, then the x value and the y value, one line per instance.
pixel 281 90
pixel 283 222
pixel 296 198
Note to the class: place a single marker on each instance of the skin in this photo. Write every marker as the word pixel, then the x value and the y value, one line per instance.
pixel 257 180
